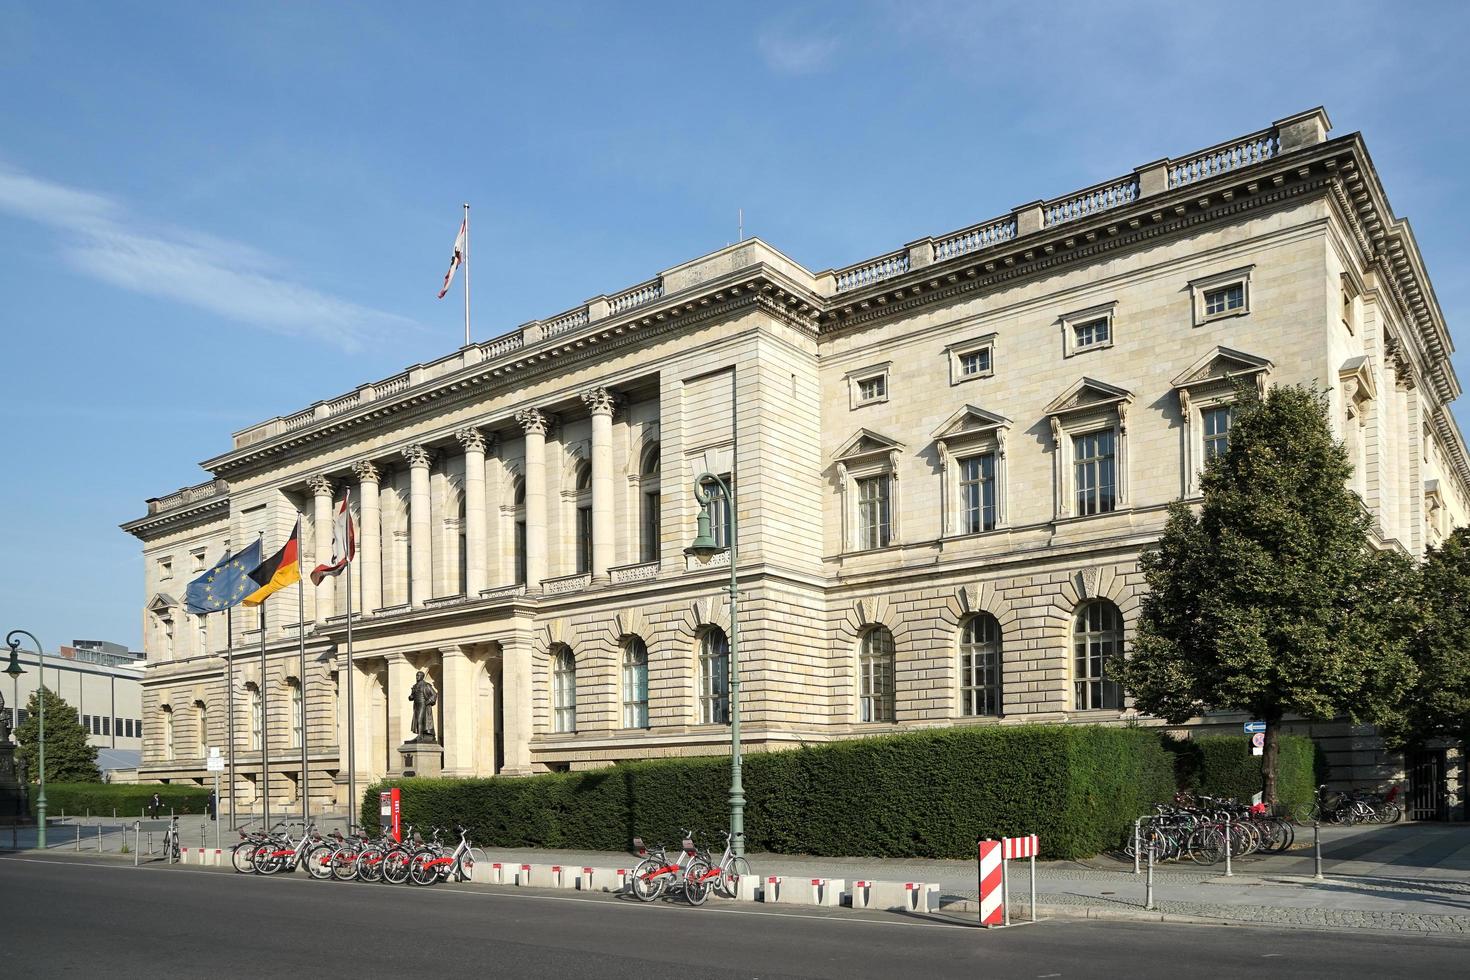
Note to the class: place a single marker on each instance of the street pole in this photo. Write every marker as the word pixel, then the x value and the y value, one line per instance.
pixel 230 711
pixel 301 680
pixel 14 644
pixel 351 716
pixel 265 733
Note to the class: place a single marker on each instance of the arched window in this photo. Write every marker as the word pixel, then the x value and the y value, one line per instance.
pixel 718 509
pixel 520 529
pixel 648 518
pixel 1097 636
pixel 875 670
pixel 201 729
pixel 296 721
pixel 980 670
pixel 168 732
pixel 584 518
pixel 252 691
pixel 635 683
pixel 714 677
pixel 563 690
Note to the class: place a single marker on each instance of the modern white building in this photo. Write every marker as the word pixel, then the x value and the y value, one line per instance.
pixel 947 459
pixel 102 681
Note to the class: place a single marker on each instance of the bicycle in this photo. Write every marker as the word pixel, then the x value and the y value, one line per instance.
pixel 655 874
pixel 731 868
pixel 172 849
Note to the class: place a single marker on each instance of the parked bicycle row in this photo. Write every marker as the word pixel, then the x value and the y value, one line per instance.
pixel 355 856
pixel 693 874
pixel 1332 806
pixel 1200 829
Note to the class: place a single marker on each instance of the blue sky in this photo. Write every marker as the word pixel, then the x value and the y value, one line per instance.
pixel 211 214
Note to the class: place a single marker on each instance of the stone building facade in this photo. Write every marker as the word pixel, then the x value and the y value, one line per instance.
pixel 946 462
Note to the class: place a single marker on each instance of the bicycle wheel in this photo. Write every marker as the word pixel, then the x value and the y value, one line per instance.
pixel 421 867
pixel 696 884
pixel 466 867
pixel 344 863
pixel 174 852
pixel 1392 813
pixel 369 864
pixel 644 886
pixel 1208 846
pixel 1305 813
pixel 318 861
pixel 266 862
pixel 242 857
pixel 728 884
pixel 397 866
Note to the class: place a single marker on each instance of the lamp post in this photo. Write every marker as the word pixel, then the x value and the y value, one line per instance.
pixel 705 546
pixel 14 644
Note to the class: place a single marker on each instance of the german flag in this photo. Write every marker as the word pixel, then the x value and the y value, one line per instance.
pixel 278 571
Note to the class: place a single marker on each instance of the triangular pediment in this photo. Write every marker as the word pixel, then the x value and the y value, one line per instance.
pixel 1222 364
pixel 866 442
pixel 162 602
pixel 1089 393
pixel 1356 375
pixel 970 421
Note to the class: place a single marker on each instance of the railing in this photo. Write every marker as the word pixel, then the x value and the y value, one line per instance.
pixel 566 583
pixel 974 238
pixel 567 321
pixel 444 600
pixel 504 345
pixel 1224 158
pixel 189 495
pixel 504 591
pixel 393 385
pixel 645 292
pixel 1092 201
pixel 339 405
pixel 883 267
pixel 300 420
pixel 643 572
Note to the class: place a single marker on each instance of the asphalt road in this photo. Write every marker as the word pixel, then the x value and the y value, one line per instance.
pixel 68 917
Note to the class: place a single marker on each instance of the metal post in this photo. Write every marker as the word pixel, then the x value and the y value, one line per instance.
pixel 1005 890
pixel 1148 893
pixel 79 837
pixel 99 838
pixel 1033 886
pixel 354 805
pixel 1228 872
pixel 737 789
pixel 1317 849
pixel 305 735
pixel 216 810
pixel 137 839
pixel 230 711
pixel 1137 843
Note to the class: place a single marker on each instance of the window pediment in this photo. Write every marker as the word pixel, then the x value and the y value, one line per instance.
pixel 1088 395
pixel 969 422
pixel 866 444
pixel 1223 364
pixel 1358 383
pixel 161 603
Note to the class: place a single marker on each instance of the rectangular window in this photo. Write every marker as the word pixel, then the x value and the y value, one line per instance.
pixel 1216 430
pixel 1225 299
pixel 977 493
pixel 1090 333
pixel 106 724
pixel 87 723
pixel 873 512
pixel 975 362
pixel 873 389
pixel 520 551
pixel 650 529
pixel 21 715
pixel 584 539
pixel 196 558
pixel 127 727
pixel 1094 472
pixel 165 569
pixel 718 509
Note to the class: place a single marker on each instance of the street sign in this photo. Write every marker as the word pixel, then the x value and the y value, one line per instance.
pixel 1258 740
pixel 1251 727
pixel 214 764
pixel 1258 750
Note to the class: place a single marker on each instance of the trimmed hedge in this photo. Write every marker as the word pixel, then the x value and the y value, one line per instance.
pixel 129 799
pixel 1223 766
pixel 922 794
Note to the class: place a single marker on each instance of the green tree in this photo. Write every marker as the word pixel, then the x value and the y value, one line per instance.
pixel 69 759
pixel 1271 599
pixel 1438 705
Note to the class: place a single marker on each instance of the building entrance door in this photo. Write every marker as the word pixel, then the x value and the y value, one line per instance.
pixel 1427 799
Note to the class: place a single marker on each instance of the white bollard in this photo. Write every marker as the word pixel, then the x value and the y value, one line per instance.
pixel 563 877
pixel 600 880
pixel 529 876
pixel 828 891
pixel 771 889
pixel 747 888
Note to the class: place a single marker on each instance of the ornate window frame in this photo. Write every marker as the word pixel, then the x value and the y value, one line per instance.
pixel 867 454
pixel 1359 392
pixel 856 378
pixel 1200 288
pixel 877 675
pixel 956 353
pixel 712 703
pixel 1072 321
pixel 1209 383
pixel 562 674
pixel 994 647
pixel 634 658
pixel 1088 406
pixel 971 431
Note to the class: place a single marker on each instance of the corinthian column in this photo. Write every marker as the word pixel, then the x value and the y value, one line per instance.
pixel 370 548
pixel 420 555
pixel 321 532
pixel 600 402
pixel 473 442
pixel 535 423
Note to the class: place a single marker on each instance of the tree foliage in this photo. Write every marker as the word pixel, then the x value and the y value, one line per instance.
pixel 1271 599
pixel 69 759
pixel 1438 705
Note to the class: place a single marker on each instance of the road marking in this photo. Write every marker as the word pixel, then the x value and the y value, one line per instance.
pixel 611 902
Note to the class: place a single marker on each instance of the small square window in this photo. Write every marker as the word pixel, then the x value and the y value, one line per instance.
pixel 971 358
pixel 868 385
pixel 1224 300
pixel 196 558
pixel 1091 333
pixel 1089 329
pixel 872 389
pixel 1226 294
pixel 165 569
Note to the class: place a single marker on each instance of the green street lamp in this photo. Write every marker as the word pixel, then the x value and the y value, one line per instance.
pixel 14 670
pixel 705 546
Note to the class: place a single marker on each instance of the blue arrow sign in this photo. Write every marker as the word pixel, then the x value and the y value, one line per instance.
pixel 1251 727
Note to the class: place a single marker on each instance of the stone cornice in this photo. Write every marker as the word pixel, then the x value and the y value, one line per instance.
pixel 146 528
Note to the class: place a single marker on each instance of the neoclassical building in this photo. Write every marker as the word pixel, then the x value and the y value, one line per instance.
pixel 946 462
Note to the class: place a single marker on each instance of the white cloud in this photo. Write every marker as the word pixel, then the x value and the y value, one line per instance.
pixel 99 237
pixel 789 54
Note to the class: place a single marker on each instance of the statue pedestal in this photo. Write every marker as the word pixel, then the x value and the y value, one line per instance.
pixel 14 802
pixel 421 759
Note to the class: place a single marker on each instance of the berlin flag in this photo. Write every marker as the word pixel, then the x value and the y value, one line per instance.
pixel 344 544
pixel 458 257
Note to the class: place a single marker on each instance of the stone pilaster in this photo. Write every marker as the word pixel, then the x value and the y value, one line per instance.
pixel 476 579
pixel 535 423
pixel 601 403
pixel 519 712
pixel 420 554
pixel 400 711
pixel 369 570
pixel 458 699
pixel 321 530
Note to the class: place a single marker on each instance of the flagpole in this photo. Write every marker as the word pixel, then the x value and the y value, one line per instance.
pixel 265 732
pixel 230 709
pixel 466 275
pixel 301 635
pixel 351 715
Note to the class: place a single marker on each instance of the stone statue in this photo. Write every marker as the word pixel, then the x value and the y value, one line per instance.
pixel 4 722
pixel 423 697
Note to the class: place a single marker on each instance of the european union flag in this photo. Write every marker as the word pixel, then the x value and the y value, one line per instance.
pixel 225 584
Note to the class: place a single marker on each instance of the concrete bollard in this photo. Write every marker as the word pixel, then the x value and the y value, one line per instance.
pixel 748 888
pixel 219 857
pixel 1317 849
pixel 563 877
pixel 828 891
pixel 771 889
pixel 601 879
pixel 530 876
pixel 1148 893
pixel 1229 872
pixel 99 838
pixel 79 837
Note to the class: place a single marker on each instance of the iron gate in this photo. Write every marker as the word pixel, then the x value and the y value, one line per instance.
pixel 1426 785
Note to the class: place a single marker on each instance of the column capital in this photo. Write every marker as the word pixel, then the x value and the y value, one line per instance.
pixel 600 401
pixel 320 484
pixel 534 420
pixel 366 471
pixel 472 439
pixel 418 456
